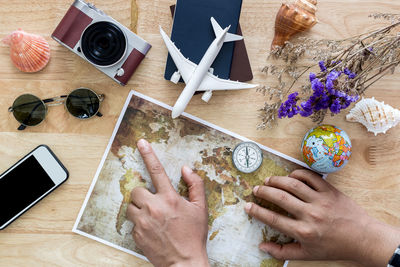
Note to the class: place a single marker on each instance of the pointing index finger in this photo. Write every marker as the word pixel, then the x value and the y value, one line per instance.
pixel 156 170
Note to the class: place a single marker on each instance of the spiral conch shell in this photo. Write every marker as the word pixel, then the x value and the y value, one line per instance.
pixel 293 18
pixel 28 52
pixel 377 116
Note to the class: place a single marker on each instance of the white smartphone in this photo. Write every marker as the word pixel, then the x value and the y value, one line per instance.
pixel 28 181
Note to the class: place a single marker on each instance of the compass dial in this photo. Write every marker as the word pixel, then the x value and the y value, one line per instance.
pixel 247 157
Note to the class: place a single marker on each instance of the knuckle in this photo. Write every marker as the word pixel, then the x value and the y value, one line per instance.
pixel 198 181
pixel 136 193
pixel 156 169
pixel 297 172
pixel 294 185
pixel 137 236
pixel 274 220
pixel 133 192
pixel 171 199
pixel 142 223
pixel 283 197
pixel 139 222
pixel 146 152
pixel 253 210
pixel 316 216
pixel 302 174
pixel 145 225
pixel 306 233
pixel 136 190
pixel 326 205
pixel 154 211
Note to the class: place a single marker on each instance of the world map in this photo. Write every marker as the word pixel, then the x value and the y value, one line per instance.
pixel 233 236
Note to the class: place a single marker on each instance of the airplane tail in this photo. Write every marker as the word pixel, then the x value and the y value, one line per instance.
pixel 229 36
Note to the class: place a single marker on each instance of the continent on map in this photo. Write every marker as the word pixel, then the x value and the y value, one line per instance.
pixel 129 181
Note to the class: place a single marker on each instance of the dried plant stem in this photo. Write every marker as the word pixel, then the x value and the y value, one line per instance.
pixel 368 57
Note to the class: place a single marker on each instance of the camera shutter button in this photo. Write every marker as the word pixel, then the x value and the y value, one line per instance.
pixel 120 72
pixel 92 6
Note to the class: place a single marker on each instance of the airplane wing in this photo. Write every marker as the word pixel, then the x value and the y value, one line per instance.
pixel 211 82
pixel 187 67
pixel 184 65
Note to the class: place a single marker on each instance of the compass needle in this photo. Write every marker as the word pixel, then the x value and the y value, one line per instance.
pixel 247 157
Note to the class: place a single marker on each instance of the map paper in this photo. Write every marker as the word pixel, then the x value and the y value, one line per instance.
pixel 233 236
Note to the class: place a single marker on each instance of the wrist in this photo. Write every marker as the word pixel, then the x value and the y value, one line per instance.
pixel 200 260
pixel 379 244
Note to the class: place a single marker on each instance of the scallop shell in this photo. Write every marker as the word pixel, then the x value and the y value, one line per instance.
pixel 293 18
pixel 28 52
pixel 377 116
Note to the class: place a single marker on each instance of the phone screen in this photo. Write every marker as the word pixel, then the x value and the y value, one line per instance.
pixel 21 186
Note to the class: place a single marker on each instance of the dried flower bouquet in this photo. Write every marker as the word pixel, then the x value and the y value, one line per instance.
pixel 345 69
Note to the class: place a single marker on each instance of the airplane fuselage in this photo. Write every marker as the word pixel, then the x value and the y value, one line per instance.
pixel 199 74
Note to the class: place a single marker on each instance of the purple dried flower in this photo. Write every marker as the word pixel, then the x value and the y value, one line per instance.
pixel 349 74
pixel 306 113
pixel 325 100
pixel 322 66
pixel 312 76
pixel 345 105
pixel 289 108
pixel 340 94
pixel 317 86
pixel 336 106
pixel 329 86
pixel 324 96
pixel 333 75
pixel 306 110
pixel 292 97
pixel 295 110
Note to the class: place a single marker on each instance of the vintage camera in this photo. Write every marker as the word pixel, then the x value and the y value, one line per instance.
pixel 104 42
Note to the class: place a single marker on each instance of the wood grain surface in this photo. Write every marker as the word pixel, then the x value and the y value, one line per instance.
pixel 43 237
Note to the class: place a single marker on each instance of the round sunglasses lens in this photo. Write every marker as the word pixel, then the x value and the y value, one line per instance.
pixel 82 103
pixel 29 110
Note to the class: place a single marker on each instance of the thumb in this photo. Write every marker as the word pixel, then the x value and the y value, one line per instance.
pixel 292 251
pixel 195 185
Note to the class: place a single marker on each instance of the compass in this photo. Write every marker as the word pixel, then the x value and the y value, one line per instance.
pixel 247 157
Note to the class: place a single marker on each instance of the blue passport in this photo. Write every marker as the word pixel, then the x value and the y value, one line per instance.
pixel 192 32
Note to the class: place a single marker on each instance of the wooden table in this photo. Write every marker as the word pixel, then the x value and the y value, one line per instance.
pixel 43 237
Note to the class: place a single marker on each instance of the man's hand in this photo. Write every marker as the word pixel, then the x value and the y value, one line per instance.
pixel 170 230
pixel 327 224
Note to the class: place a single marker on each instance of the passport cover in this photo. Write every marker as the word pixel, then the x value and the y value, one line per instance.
pixel 240 68
pixel 192 32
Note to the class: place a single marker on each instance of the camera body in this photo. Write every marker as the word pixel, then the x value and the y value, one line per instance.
pixel 99 39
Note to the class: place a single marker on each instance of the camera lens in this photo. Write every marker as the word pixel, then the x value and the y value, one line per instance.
pixel 103 43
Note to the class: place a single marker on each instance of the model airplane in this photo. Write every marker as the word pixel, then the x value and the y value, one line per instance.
pixel 200 77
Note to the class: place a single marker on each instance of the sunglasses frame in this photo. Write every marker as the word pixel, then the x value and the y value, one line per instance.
pixel 56 101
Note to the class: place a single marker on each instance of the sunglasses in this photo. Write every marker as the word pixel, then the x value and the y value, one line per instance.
pixel 82 103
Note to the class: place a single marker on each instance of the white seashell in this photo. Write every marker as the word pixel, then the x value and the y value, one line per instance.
pixel 377 116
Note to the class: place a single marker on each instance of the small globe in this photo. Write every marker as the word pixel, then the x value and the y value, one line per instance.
pixel 326 148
